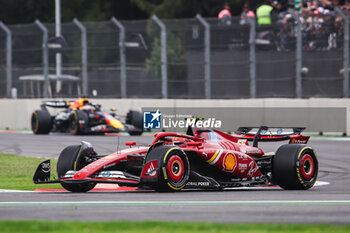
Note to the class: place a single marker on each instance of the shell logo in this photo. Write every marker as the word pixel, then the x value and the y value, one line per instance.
pixel 229 162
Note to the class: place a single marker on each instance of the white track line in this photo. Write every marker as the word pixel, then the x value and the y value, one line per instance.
pixel 175 203
pixel 318 183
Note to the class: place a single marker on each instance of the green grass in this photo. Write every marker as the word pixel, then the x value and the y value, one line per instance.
pixel 155 227
pixel 16 172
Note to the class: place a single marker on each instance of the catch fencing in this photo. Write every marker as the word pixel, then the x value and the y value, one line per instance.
pixel 294 57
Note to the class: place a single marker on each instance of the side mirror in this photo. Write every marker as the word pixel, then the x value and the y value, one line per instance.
pixel 130 144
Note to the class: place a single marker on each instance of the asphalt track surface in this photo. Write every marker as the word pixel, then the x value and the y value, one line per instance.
pixel 321 204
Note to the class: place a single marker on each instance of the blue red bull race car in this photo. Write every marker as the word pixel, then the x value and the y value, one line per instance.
pixel 83 117
pixel 199 159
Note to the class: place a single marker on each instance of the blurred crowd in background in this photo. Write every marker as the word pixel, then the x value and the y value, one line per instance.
pixel 322 26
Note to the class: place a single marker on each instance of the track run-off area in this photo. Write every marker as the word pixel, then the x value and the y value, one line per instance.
pixel 326 202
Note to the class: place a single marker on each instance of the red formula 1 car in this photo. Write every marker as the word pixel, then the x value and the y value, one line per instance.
pixel 200 159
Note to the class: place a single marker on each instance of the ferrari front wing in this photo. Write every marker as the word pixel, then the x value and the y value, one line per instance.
pixel 42 175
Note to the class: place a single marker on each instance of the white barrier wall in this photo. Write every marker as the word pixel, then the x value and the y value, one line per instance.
pixel 15 114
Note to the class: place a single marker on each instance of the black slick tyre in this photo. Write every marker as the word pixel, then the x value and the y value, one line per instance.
pixel 295 167
pixel 66 161
pixel 135 118
pixel 41 122
pixel 174 169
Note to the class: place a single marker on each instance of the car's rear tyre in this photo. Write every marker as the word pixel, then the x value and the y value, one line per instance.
pixel 295 166
pixel 41 122
pixel 174 169
pixel 66 161
pixel 78 121
pixel 135 118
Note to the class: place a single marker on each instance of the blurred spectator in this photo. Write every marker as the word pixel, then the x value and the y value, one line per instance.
pixel 298 5
pixel 284 4
pixel 263 13
pixel 246 13
pixel 224 15
pixel 346 7
pixel 307 7
pixel 322 28
pixel 335 3
pixel 326 4
pixel 277 10
pixel 282 30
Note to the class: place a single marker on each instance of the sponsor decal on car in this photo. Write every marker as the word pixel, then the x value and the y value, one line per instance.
pixel 150 169
pixel 252 151
pixel 299 140
pixel 98 128
pixel 242 141
pixel 252 168
pixel 111 175
pixel 69 174
pixel 45 167
pixel 106 174
pixel 229 162
pixel 242 156
pixel 193 183
pixel 242 167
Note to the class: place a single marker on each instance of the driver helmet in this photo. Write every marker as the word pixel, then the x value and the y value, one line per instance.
pixel 179 140
pixel 80 103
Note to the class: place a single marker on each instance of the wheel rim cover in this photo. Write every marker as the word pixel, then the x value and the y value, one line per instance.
pixel 307 166
pixel 175 168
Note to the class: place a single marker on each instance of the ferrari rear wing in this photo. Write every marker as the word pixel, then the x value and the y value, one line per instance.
pixel 265 133
pixel 270 131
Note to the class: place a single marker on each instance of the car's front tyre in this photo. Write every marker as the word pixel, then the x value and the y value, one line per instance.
pixel 174 169
pixel 68 160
